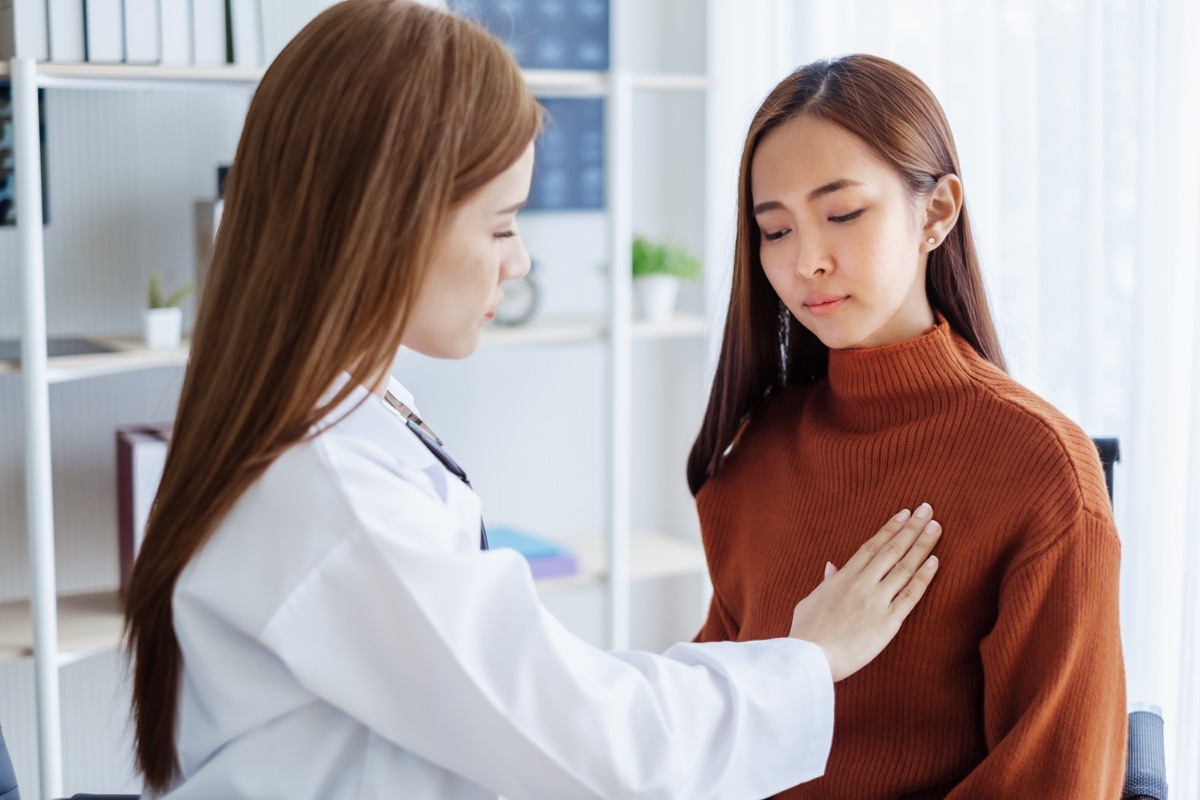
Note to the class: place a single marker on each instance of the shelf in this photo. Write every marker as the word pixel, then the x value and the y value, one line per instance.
pixel 572 83
pixel 130 355
pixel 671 82
pixel 561 331
pixel 652 556
pixel 86 623
pixel 543 331
pixel 678 327
pixel 91 622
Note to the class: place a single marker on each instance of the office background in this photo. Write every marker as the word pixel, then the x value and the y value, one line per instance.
pixel 1079 130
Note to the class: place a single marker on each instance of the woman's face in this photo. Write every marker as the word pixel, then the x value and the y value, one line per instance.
pixel 479 251
pixel 840 239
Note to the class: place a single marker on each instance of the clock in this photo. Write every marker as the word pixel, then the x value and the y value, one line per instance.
pixel 519 303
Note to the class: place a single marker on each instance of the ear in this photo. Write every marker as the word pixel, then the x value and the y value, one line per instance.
pixel 942 207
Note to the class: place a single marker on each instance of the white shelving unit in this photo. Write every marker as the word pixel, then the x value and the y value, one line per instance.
pixel 55 630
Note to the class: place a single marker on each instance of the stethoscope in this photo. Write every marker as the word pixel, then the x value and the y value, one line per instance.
pixel 432 443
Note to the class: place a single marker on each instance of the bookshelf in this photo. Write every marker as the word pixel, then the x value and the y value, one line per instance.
pixel 54 630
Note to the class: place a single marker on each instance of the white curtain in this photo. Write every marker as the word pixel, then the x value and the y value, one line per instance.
pixel 1078 126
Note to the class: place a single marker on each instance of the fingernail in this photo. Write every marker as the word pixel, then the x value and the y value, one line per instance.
pixel 903 515
pixel 932 561
pixel 932 528
pixel 924 510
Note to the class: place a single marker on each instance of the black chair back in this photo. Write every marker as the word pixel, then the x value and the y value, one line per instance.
pixel 1110 453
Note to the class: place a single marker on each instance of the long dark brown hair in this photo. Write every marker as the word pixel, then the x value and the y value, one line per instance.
pixel 764 347
pixel 368 129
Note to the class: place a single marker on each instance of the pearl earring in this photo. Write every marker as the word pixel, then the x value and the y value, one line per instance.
pixel 931 240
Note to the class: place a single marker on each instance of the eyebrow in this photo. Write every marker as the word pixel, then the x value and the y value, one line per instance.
pixel 820 191
pixel 512 209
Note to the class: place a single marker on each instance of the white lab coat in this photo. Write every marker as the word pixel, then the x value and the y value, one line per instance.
pixel 344 637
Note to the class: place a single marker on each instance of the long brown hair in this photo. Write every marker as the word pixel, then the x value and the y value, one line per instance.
pixel 764 347
pixel 367 130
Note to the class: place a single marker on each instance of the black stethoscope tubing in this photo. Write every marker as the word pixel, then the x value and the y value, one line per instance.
pixel 439 452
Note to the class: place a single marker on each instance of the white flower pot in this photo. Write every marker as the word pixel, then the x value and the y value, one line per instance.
pixel 163 327
pixel 655 296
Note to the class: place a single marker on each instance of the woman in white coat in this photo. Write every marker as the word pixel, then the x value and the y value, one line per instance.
pixel 312 613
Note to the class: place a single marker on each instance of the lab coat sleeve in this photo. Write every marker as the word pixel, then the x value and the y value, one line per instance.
pixel 449 654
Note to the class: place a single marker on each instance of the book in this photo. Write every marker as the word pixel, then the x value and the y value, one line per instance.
pixel 547 559
pixel 142 31
pixel 208 33
pixel 104 31
pixel 66 30
pixel 23 29
pixel 245 33
pixel 175 32
pixel 141 455
pixel 281 20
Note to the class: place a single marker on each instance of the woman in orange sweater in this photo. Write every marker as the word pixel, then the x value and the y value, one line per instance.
pixel 860 369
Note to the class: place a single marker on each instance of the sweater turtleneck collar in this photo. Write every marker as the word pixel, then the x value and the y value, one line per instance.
pixel 884 386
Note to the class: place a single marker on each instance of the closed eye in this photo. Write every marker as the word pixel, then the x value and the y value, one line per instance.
pixel 847 217
pixel 506 234
pixel 772 236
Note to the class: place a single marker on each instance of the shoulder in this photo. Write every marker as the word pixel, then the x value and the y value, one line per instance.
pixel 1054 456
pixel 763 427
pixel 350 482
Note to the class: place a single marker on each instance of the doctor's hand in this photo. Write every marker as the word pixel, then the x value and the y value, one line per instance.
pixel 858 609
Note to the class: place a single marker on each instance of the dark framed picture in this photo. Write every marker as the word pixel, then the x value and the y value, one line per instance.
pixel 568 173
pixel 546 34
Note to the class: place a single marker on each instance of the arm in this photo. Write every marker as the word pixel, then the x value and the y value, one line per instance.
pixel 449 655
pixel 1054 682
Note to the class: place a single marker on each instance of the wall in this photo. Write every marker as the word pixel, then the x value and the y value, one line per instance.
pixel 528 423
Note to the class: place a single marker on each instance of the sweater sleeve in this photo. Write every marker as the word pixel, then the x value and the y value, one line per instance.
pixel 1054 682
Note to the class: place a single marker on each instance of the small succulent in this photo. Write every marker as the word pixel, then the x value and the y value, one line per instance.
pixel 156 298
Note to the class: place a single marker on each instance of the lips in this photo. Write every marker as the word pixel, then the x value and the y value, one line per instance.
pixel 821 304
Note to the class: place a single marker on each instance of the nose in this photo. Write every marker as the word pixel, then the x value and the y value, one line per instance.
pixel 516 264
pixel 812 258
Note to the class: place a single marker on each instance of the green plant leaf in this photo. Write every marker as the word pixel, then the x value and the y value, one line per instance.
pixel 649 258
pixel 155 298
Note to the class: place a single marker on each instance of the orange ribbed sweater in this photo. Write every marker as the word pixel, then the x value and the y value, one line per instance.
pixel 1007 680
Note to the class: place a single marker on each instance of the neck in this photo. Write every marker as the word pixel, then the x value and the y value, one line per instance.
pixel 884 386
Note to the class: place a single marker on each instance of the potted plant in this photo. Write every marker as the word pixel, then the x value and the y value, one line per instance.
pixel 164 318
pixel 657 271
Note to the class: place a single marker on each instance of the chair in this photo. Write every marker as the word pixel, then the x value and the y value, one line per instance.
pixel 1146 764
pixel 1146 767
pixel 1110 453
